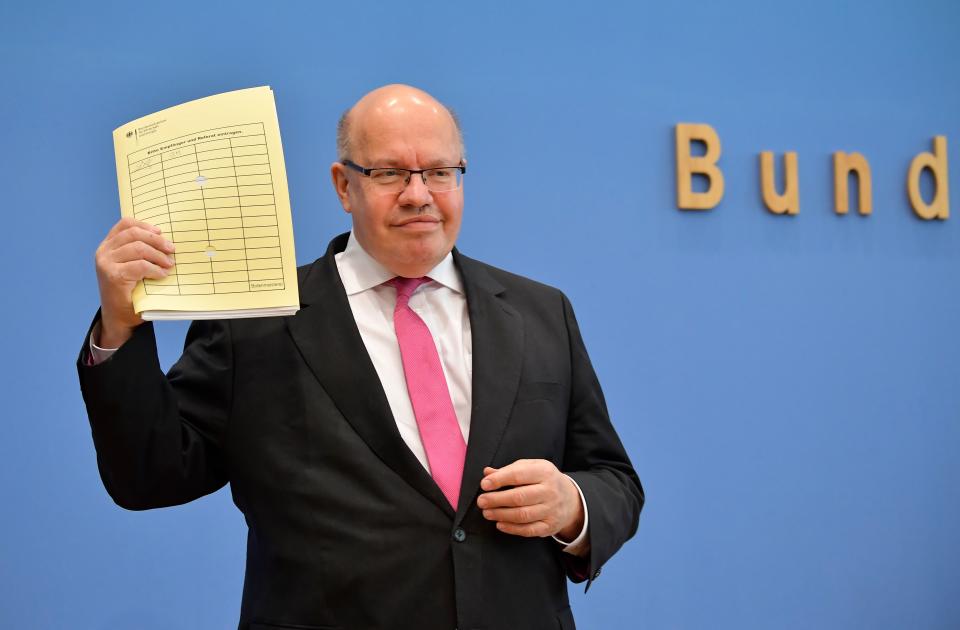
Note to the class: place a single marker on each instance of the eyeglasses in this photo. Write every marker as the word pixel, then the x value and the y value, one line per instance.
pixel 394 180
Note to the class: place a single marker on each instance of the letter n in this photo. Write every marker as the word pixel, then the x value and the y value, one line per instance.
pixel 843 164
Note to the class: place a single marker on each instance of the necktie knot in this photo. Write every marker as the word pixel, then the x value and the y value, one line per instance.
pixel 405 287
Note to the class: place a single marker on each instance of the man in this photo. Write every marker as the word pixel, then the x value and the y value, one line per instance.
pixel 397 446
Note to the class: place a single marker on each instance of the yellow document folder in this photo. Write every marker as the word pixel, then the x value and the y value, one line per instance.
pixel 210 174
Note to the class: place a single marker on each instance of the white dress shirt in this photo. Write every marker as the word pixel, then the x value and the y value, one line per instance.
pixel 442 305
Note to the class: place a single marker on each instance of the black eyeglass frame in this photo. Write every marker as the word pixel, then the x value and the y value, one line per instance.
pixel 367 171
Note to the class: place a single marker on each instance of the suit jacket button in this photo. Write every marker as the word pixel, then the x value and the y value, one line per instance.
pixel 459 535
pixel 596 574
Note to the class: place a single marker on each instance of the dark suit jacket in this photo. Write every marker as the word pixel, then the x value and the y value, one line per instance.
pixel 346 528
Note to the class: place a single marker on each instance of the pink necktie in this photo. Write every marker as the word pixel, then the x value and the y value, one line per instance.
pixel 436 420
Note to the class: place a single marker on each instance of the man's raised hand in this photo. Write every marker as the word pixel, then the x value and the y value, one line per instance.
pixel 132 250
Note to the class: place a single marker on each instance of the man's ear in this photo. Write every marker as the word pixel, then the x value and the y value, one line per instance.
pixel 338 174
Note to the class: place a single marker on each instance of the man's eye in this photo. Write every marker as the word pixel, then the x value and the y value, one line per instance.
pixel 441 173
pixel 386 173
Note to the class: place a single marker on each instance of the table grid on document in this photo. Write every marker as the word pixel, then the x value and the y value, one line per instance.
pixel 214 199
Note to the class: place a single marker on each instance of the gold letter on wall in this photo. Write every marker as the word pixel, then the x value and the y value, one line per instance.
pixel 843 163
pixel 939 208
pixel 706 165
pixel 789 201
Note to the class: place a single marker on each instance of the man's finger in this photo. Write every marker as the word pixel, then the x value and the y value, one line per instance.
pixel 121 225
pixel 527 530
pixel 138 233
pixel 520 472
pixel 137 270
pixel 128 222
pixel 521 496
pixel 138 250
pixel 518 515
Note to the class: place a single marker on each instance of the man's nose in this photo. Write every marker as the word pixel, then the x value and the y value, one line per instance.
pixel 416 192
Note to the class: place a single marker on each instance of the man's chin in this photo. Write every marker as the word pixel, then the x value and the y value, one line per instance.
pixel 419 261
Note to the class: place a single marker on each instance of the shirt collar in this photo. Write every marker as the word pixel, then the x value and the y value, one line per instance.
pixel 359 271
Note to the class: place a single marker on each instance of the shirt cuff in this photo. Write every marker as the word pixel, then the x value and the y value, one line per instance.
pixel 97 354
pixel 577 543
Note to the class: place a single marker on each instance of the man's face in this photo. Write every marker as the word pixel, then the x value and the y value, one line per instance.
pixel 411 231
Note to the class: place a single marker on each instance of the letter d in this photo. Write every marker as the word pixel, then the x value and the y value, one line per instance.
pixel 939 208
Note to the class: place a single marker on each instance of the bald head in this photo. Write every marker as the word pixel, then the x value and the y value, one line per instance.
pixel 411 229
pixel 390 107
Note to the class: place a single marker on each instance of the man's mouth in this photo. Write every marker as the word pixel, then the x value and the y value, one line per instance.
pixel 423 220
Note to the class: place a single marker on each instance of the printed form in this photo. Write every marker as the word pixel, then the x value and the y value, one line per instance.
pixel 210 174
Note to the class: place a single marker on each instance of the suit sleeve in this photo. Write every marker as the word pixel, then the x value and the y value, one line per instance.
pixel 594 456
pixel 158 437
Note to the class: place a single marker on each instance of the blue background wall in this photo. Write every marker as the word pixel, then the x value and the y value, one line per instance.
pixel 787 387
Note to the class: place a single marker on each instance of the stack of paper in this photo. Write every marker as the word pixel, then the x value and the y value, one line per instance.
pixel 210 174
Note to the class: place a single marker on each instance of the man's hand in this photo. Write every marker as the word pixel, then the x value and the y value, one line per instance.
pixel 530 497
pixel 133 250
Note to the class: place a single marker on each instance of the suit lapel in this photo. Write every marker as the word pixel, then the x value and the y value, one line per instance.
pixel 325 332
pixel 498 334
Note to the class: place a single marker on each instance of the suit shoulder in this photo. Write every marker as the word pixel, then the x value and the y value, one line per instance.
pixel 303 271
pixel 511 281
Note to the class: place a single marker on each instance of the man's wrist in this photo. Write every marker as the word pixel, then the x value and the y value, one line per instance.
pixel 98 351
pixel 112 336
pixel 579 544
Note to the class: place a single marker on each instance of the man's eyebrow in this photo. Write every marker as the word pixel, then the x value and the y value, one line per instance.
pixel 386 164
pixel 392 163
pixel 442 162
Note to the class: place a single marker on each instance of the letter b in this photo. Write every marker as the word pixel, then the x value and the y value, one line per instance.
pixel 706 165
